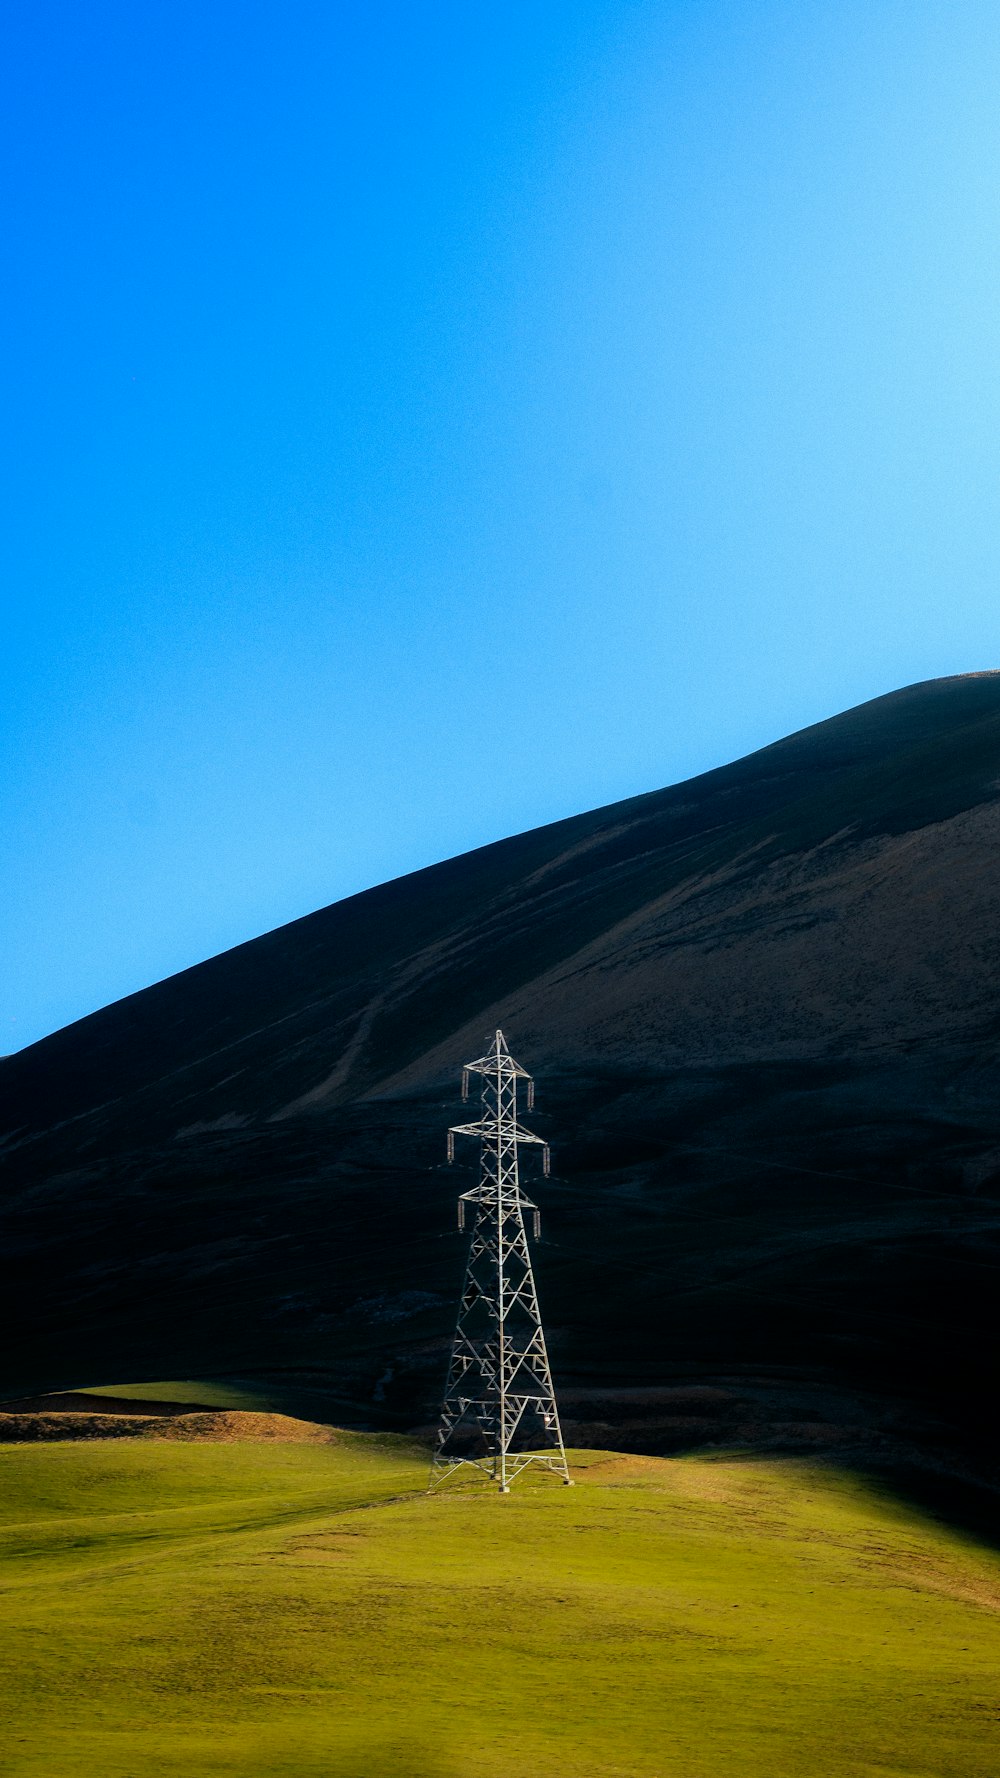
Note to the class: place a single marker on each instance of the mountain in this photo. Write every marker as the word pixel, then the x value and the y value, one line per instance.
pixel 763 1012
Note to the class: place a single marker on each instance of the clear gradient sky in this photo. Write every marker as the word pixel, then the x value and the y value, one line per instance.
pixel 425 420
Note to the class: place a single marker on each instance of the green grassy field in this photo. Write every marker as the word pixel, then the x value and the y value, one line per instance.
pixel 279 1609
pixel 204 1393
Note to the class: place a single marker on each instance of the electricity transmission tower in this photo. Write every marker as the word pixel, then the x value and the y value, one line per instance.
pixel 499 1412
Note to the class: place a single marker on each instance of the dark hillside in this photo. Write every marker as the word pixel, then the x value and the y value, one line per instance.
pixel 763 1011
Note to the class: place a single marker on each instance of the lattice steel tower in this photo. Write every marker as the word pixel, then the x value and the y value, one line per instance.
pixel 499 1412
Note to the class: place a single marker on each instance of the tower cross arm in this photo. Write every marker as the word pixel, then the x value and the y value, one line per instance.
pixel 491 1064
pixel 488 1127
pixel 486 1194
pixel 497 1060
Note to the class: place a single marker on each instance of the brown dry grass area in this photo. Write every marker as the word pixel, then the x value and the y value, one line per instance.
pixel 623 1466
pixel 231 1426
pixel 216 1427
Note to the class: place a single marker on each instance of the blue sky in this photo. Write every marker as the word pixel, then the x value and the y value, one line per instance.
pixel 426 421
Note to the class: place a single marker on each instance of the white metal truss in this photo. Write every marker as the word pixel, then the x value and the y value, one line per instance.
pixel 499 1413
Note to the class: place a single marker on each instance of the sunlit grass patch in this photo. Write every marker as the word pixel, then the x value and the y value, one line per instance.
pixel 257 1609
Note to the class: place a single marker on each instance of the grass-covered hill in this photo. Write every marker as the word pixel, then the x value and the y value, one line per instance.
pixel 242 1610
pixel 763 1011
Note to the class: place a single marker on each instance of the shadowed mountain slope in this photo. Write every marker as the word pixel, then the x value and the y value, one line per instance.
pixel 762 1009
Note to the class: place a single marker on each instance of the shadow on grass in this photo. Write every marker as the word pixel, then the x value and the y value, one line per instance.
pixel 970 1507
pixel 961 1503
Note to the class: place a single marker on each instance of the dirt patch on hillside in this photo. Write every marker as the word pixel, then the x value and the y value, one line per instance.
pixel 226 1426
